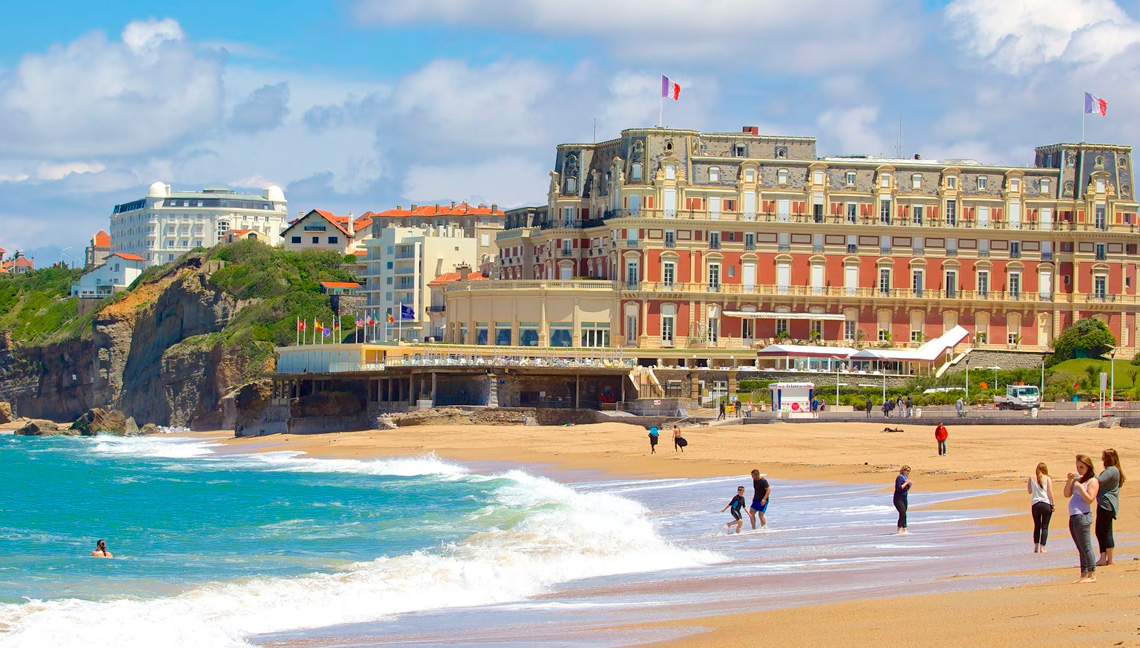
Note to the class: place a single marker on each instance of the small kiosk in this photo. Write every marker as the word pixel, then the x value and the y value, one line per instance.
pixel 792 397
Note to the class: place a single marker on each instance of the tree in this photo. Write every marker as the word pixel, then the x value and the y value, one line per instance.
pixel 1087 338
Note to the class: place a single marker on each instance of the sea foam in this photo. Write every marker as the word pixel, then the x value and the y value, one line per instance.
pixel 538 533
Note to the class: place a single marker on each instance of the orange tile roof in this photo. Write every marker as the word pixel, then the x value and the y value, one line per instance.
pixel 340 284
pixel 240 232
pixel 20 261
pixel 128 257
pixel 449 277
pixel 4 270
pixel 102 239
pixel 339 222
pixel 461 209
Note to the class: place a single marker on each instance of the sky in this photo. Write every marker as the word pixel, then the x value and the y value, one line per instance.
pixel 357 105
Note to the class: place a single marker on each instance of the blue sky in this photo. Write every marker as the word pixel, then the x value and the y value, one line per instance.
pixel 365 104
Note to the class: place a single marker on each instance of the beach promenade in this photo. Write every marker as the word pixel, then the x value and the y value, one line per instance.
pixel 1044 609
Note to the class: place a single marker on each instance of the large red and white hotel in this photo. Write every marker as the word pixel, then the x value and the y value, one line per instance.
pixel 680 244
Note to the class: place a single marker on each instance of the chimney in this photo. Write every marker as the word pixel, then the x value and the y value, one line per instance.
pixel 463 269
pixel 453 204
pixel 414 205
pixel 399 206
pixel 494 208
pixel 351 226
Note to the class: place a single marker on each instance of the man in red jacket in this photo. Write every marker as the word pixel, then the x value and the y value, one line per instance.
pixel 940 435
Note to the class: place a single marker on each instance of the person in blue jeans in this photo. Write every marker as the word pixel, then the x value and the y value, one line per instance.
pixel 1082 489
pixel 902 488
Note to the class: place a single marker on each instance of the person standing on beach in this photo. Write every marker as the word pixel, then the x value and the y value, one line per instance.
pixel 1040 488
pixel 1082 488
pixel 737 505
pixel 653 434
pixel 870 406
pixel 940 435
pixel 960 405
pixel 902 489
pixel 677 439
pixel 101 550
pixel 720 416
pixel 909 407
pixel 760 492
pixel 1108 504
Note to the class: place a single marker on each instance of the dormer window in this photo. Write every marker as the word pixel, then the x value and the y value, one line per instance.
pixel 916 181
pixel 714 174
pixel 951 182
pixel 750 175
pixel 782 176
pixel 817 177
pixel 1015 184
pixel 885 180
pixel 670 171
pixel 983 183
pixel 1100 185
pixel 1045 186
pixel 850 178
pixel 635 171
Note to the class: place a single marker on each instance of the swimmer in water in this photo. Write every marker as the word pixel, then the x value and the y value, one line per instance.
pixel 101 550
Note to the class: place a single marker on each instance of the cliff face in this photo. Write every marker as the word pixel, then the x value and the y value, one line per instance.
pixel 155 355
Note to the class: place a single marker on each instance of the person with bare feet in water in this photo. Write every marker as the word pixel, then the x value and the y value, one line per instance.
pixel 736 506
pixel 101 550
pixel 902 489
pixel 1108 504
pixel 1040 488
pixel 1081 489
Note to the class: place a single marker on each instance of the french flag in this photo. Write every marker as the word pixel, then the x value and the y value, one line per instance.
pixel 670 89
pixel 1094 105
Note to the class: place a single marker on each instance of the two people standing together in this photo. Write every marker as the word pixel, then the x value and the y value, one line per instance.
pixel 1084 488
pixel 761 490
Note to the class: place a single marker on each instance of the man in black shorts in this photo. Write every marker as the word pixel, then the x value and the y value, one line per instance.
pixel 760 493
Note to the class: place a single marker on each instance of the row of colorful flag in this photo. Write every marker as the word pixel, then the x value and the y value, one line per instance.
pixel 326 329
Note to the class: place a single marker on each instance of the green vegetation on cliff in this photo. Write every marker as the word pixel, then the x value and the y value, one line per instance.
pixel 35 307
pixel 274 288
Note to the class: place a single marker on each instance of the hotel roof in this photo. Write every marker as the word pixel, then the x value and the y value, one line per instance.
pixel 461 209
pixel 451 277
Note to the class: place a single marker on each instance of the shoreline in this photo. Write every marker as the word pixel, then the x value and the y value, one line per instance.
pixel 979 458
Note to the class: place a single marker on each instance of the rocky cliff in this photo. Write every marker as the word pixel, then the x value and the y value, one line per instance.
pixel 156 354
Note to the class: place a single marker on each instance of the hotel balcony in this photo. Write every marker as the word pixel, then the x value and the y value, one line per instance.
pixel 874 221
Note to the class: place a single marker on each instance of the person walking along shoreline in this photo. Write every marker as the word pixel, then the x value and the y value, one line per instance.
pixel 902 489
pixel 1040 488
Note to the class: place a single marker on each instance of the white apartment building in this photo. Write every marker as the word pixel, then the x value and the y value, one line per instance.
pixel 402 261
pixel 117 272
pixel 166 224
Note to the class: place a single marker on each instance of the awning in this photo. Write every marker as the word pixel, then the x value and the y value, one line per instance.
pixel 789 316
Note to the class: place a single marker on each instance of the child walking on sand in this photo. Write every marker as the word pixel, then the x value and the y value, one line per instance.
pixel 735 506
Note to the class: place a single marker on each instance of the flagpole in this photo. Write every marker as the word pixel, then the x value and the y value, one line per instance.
pixel 1083 113
pixel 660 112
pixel 298 326
pixel 400 323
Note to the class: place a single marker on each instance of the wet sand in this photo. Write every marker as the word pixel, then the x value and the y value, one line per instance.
pixel 1052 612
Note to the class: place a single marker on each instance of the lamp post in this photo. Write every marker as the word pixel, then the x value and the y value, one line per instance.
pixel 967 379
pixel 995 376
pixel 1112 376
pixel 61 254
pixel 873 385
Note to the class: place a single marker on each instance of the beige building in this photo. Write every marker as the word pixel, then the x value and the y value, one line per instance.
pixel 322 230
pixel 478 222
pixel 402 262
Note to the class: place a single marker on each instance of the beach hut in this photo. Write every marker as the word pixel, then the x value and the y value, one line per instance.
pixel 793 397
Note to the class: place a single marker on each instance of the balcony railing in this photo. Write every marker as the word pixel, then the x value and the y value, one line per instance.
pixel 956 222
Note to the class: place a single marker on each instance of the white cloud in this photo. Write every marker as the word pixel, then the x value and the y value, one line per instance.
pixel 264 109
pixel 59 171
pixel 785 36
pixel 94 97
pixel 854 130
pixel 1017 35
pixel 508 181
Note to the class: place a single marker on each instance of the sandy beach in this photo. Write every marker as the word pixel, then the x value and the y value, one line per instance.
pixel 1051 612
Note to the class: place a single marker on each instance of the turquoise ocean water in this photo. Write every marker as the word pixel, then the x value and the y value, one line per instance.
pixel 211 549
pixel 214 548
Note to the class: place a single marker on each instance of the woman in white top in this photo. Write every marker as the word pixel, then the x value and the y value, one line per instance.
pixel 1081 489
pixel 1040 488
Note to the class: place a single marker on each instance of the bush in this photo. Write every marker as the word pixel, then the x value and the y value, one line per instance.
pixel 1088 338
